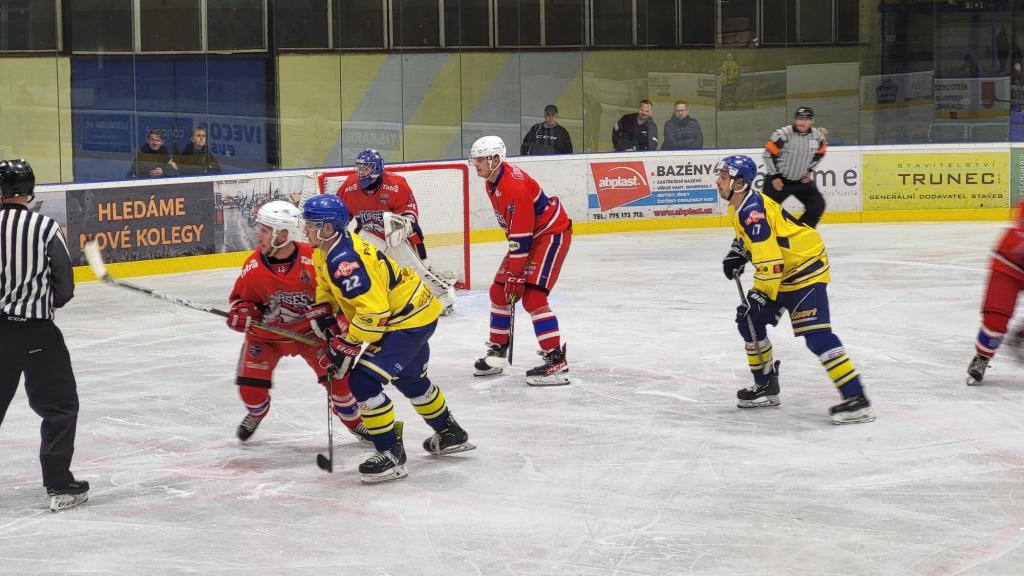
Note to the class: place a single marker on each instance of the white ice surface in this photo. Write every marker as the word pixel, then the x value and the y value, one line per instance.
pixel 643 466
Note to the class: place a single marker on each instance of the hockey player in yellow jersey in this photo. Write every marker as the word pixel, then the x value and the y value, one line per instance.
pixel 791 273
pixel 390 310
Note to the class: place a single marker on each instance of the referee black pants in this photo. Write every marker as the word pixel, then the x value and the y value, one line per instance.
pixel 806 192
pixel 36 348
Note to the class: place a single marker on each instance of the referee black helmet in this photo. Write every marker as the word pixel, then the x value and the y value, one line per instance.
pixel 16 179
pixel 804 112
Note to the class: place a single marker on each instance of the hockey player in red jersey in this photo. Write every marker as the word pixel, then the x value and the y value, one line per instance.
pixel 385 209
pixel 539 233
pixel 277 286
pixel 1005 281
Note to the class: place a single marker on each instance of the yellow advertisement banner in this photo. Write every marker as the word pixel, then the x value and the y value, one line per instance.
pixel 955 180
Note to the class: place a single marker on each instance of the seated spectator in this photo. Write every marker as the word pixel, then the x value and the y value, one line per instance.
pixel 153 160
pixel 636 131
pixel 197 158
pixel 547 137
pixel 681 131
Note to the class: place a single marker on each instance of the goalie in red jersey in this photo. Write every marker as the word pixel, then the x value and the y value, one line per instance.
pixel 277 287
pixel 1005 282
pixel 382 205
pixel 539 233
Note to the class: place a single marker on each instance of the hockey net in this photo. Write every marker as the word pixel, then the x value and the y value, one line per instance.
pixel 442 193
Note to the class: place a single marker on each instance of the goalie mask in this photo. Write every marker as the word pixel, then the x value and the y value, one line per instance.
pixel 369 167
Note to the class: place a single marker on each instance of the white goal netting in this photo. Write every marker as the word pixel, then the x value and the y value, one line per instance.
pixel 442 193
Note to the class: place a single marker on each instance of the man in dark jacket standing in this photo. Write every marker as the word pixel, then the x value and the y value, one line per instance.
pixel 636 131
pixel 681 131
pixel 197 158
pixel 153 160
pixel 547 137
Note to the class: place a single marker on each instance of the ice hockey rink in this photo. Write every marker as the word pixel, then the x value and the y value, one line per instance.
pixel 643 466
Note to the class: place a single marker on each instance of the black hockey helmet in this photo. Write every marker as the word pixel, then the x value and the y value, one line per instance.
pixel 16 179
pixel 804 112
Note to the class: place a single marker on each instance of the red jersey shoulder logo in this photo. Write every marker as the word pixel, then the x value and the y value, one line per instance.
pixel 346 269
pixel 619 183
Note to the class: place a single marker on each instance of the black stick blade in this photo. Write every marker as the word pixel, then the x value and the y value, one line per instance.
pixel 324 463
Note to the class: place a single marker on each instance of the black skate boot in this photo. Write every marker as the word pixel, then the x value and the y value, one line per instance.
pixel 451 440
pixel 852 410
pixel 761 395
pixel 976 371
pixel 554 371
pixel 385 466
pixel 67 497
pixel 248 427
pixel 494 362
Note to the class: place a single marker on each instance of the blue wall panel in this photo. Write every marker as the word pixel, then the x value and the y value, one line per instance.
pixel 116 100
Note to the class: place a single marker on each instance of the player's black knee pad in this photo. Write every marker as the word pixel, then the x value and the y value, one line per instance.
pixel 365 384
pixel 821 341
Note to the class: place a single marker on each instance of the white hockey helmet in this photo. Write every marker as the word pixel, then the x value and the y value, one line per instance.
pixel 488 147
pixel 280 215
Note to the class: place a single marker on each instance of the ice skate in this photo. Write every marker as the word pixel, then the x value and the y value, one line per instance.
pixel 248 427
pixel 494 362
pixel 452 440
pixel 554 371
pixel 764 395
pixel 361 433
pixel 976 371
pixel 385 466
pixel 853 410
pixel 70 496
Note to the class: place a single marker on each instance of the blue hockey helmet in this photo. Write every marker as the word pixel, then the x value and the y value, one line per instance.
pixel 738 166
pixel 326 209
pixel 369 167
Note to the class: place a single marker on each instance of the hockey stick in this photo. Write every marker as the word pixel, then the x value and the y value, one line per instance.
pixel 765 369
pixel 511 330
pixel 99 268
pixel 326 463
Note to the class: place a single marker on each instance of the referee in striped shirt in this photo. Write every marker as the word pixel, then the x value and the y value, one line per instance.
pixel 35 278
pixel 790 156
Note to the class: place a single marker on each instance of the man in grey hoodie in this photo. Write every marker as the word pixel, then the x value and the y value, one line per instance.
pixel 681 131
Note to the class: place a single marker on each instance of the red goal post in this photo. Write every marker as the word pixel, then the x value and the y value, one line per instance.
pixel 442 193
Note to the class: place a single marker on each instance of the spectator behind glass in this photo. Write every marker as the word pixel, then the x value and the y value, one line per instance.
pixel 547 137
pixel 681 131
pixel 636 131
pixel 197 158
pixel 153 160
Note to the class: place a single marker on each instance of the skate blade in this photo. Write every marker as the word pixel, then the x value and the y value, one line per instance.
pixel 553 380
pixel 762 402
pixel 396 473
pixel 490 372
pixel 858 417
pixel 464 447
pixel 972 382
pixel 62 502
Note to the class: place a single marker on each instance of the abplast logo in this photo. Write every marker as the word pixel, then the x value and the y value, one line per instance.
pixel 619 183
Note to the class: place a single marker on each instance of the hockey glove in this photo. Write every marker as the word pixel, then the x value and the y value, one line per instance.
pixel 515 287
pixel 339 354
pixel 756 303
pixel 242 314
pixel 735 260
pixel 396 228
pixel 322 321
